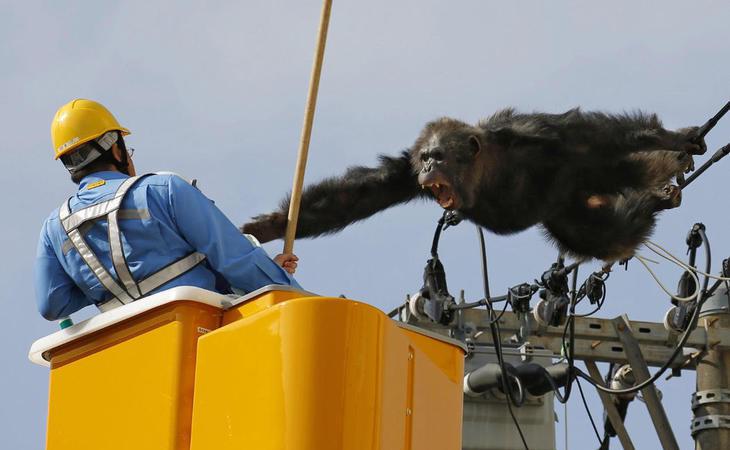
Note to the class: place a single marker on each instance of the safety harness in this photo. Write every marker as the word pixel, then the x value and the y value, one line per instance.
pixel 125 290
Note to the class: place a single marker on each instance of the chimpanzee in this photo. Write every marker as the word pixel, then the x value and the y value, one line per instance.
pixel 594 181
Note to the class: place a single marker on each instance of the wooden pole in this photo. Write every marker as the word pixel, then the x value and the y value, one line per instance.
pixel 296 193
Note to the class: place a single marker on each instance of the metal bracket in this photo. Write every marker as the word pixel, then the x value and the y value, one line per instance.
pixel 710 396
pixel 594 338
pixel 610 407
pixel 709 422
pixel 641 370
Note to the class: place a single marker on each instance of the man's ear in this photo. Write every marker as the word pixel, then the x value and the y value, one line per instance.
pixel 116 152
pixel 475 145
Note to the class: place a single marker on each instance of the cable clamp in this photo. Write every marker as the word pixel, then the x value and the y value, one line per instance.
pixel 709 422
pixel 700 398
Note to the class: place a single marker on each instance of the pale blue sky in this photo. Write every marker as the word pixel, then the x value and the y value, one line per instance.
pixel 216 91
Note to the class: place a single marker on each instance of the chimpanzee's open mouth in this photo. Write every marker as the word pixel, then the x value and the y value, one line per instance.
pixel 444 195
pixel 441 189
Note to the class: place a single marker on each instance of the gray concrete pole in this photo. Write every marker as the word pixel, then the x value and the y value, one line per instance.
pixel 711 402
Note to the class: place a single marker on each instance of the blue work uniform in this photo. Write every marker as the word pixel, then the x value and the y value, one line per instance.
pixel 162 219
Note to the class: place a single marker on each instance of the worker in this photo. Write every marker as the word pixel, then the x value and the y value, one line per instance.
pixel 123 236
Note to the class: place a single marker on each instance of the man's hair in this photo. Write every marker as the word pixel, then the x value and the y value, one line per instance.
pixel 103 162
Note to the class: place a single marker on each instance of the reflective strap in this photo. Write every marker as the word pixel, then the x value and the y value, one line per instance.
pixel 166 274
pixel 72 221
pixel 118 259
pixel 109 305
pixel 83 229
pixel 129 214
pixel 110 209
pixel 252 239
pixel 124 214
pixel 104 277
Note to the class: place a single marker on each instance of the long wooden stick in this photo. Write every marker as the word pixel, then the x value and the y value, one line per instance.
pixel 296 193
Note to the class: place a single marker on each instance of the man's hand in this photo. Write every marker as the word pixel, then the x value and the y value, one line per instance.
pixel 288 261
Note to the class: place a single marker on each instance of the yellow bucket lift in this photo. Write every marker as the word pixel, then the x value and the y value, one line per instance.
pixel 277 369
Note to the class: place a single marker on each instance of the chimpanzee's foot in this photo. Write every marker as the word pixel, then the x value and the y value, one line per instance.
pixel 670 197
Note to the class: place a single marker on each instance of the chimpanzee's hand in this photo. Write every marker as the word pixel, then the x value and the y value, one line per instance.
pixel 266 227
pixel 692 143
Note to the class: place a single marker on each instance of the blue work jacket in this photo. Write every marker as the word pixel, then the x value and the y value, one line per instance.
pixel 162 219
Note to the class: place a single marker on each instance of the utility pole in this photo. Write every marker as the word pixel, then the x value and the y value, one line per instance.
pixel 636 344
pixel 711 402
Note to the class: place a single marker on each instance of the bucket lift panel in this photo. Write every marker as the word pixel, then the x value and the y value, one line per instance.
pixel 124 379
pixel 326 374
pixel 276 369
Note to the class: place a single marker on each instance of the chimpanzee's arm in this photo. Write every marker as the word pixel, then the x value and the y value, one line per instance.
pixel 334 203
pixel 590 133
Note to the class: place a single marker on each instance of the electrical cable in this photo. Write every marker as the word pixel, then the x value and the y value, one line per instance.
pixel 590 416
pixel 664 367
pixel 394 312
pixel 568 349
pixel 664 288
pixel 600 302
pixel 702 297
pixel 478 303
pixel 497 339
pixel 570 325
pixel 708 260
pixel 595 310
pixel 504 309
pixel 569 359
pixel 683 264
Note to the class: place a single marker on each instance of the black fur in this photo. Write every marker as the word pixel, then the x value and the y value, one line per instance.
pixel 594 181
pixel 334 203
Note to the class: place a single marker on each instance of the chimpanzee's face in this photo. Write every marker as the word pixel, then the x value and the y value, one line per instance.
pixel 444 156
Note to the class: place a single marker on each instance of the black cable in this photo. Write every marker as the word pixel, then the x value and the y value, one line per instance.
pixel 653 378
pixel 497 339
pixel 481 302
pixel 590 416
pixel 598 307
pixel 395 312
pixel 504 309
pixel 607 382
pixel 553 385
pixel 437 236
pixel 570 326
pixel 485 272
pixel 708 258
pixel 568 358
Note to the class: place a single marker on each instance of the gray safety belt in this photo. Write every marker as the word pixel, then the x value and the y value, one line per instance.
pixel 129 290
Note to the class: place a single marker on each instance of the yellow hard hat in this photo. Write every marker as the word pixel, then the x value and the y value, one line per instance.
pixel 80 121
